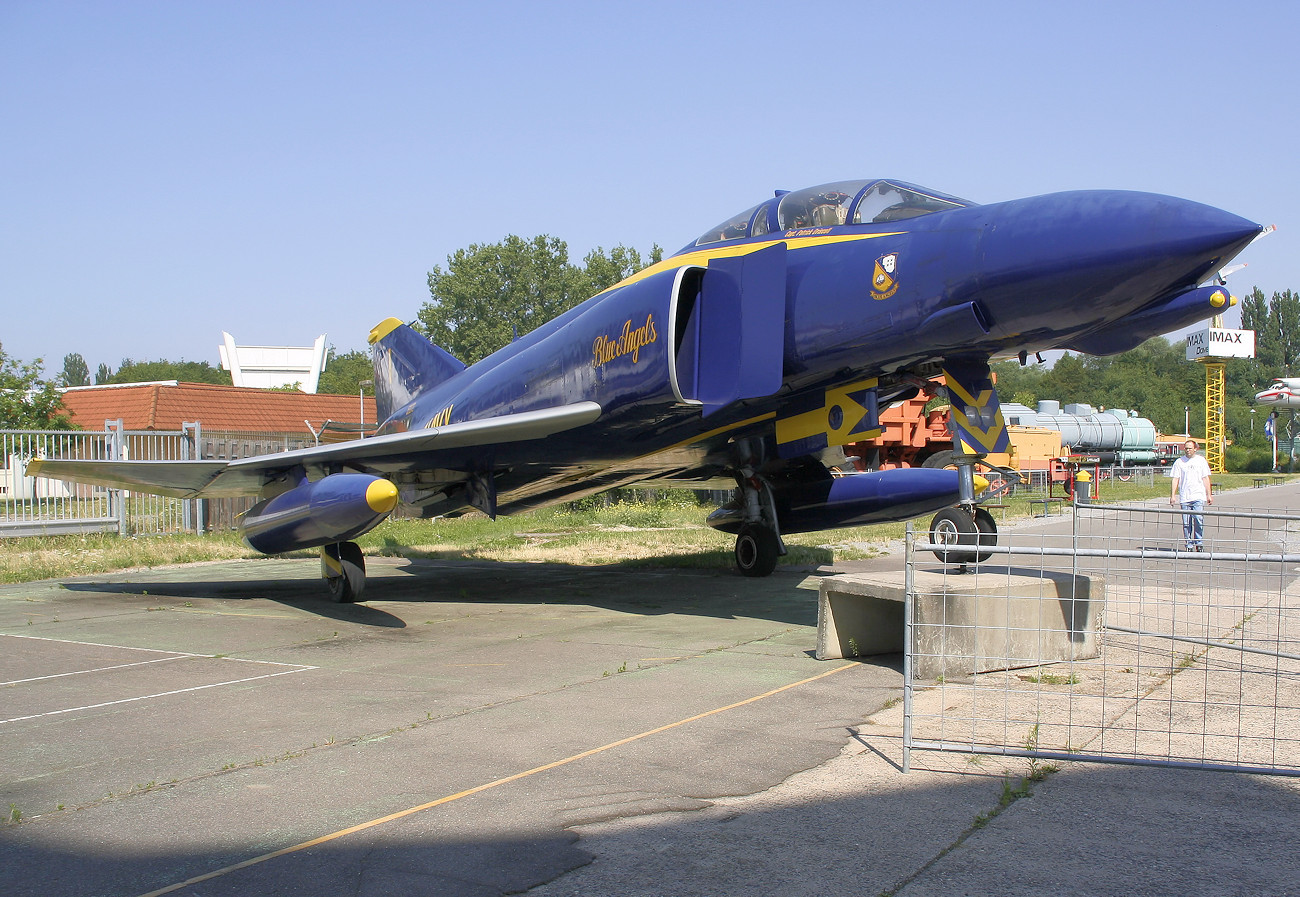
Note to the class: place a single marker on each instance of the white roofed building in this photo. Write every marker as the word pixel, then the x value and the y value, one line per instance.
pixel 271 367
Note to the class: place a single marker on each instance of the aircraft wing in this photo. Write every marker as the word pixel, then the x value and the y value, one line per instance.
pixel 246 476
pixel 179 479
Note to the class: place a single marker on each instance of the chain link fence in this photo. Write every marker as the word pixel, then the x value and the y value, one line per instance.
pixel 1150 654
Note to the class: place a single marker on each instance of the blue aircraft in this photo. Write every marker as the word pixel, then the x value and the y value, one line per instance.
pixel 746 359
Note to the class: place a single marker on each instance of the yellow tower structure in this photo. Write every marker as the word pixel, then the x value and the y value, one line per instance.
pixel 1215 432
pixel 1210 347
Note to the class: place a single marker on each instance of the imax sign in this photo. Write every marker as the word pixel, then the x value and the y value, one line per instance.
pixel 1218 343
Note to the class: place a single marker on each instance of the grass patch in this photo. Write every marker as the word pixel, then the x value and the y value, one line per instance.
pixel 1052 679
pixel 48 557
pixel 668 532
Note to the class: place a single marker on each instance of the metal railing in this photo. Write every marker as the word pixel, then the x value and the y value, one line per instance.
pixel 37 506
pixel 32 506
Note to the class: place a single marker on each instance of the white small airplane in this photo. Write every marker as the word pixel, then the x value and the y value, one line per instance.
pixel 1284 392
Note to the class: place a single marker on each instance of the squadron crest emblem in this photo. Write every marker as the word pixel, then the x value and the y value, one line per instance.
pixel 884 282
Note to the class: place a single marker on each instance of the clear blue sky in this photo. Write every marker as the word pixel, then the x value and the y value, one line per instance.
pixel 169 170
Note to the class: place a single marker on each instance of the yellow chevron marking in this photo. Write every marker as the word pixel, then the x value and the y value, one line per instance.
pixel 988 436
pixel 817 422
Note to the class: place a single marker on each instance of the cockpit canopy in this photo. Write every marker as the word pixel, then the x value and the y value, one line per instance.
pixel 829 205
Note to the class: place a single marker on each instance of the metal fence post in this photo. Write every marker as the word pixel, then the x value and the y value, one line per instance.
pixel 909 559
pixel 192 448
pixel 114 446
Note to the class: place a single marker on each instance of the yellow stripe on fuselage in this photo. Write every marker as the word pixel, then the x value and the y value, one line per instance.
pixel 702 257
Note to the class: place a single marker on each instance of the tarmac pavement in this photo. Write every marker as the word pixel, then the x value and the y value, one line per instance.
pixel 484 729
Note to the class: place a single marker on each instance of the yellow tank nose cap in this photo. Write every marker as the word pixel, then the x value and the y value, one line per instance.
pixel 381 495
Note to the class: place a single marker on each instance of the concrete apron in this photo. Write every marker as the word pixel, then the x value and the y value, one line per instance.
pixel 160 726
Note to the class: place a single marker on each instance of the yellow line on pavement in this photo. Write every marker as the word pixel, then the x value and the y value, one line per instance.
pixel 478 789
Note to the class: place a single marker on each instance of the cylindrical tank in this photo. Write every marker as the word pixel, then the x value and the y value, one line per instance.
pixel 1094 433
pixel 1118 435
pixel 1139 441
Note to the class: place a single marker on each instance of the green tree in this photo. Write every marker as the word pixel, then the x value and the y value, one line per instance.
pixel 1068 380
pixel 1276 323
pixel 601 271
pixel 490 293
pixel 343 373
pixel 1019 383
pixel 130 371
pixel 75 371
pixel 27 400
pixel 102 374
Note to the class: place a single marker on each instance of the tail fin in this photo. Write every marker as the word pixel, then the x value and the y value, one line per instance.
pixel 406 364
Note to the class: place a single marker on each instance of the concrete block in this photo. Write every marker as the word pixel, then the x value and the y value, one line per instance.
pixel 996 618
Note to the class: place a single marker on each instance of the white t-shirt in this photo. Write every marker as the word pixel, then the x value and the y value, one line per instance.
pixel 1190 474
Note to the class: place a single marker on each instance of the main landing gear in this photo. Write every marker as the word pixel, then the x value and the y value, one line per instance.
pixel 757 550
pixel 344 568
pixel 758 543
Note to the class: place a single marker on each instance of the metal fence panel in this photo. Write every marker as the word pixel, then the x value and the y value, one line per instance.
pixel 31 506
pixel 38 506
pixel 1199 652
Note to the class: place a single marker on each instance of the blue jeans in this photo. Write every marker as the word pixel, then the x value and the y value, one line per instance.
pixel 1193 523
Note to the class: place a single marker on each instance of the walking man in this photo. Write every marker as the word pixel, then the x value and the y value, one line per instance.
pixel 1191 489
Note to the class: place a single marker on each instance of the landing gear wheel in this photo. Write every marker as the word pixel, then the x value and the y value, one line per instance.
pixel 988 533
pixel 344 568
pixel 757 549
pixel 939 460
pixel 954 528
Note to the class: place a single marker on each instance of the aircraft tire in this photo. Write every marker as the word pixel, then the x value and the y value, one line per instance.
pixel 988 533
pixel 939 460
pixel 347 588
pixel 757 550
pixel 954 529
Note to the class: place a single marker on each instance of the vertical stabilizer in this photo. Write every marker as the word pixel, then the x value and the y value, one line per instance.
pixel 406 364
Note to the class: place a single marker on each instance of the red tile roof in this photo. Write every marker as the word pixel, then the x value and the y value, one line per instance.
pixel 164 406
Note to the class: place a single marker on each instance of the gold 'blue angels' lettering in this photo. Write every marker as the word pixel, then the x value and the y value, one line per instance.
pixel 629 342
pixel 442 418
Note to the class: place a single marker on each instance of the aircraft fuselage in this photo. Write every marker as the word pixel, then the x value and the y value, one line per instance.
pixel 685 354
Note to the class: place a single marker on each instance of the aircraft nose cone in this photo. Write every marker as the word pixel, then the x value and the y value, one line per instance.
pixel 1096 254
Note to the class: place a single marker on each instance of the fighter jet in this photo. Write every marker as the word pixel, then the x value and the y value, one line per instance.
pixel 747 359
